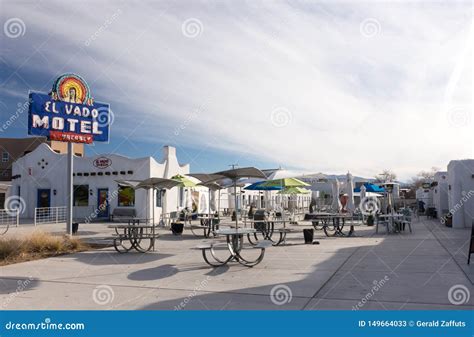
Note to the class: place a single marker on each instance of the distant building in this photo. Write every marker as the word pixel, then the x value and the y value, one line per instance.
pixel 461 192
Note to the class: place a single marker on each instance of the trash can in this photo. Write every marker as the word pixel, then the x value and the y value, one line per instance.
pixel 75 227
pixel 308 235
pixel 177 228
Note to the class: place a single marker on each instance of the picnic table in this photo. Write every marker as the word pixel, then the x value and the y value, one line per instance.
pixel 134 235
pixel 235 246
pixel 332 223
pixel 394 219
pixel 266 228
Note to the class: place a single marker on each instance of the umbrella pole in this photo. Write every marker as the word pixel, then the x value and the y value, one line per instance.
pixel 153 212
pixel 235 201
pixel 209 206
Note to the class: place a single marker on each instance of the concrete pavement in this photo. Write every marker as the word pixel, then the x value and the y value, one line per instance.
pixel 423 270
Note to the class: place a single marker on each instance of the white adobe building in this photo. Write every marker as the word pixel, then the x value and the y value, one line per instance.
pixel 40 176
pixel 461 192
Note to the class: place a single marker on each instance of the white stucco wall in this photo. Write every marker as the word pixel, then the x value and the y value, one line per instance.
pixel 461 192
pixel 36 174
pixel 440 193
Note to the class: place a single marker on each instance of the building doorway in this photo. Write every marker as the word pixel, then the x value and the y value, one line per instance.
pixel 43 198
pixel 103 202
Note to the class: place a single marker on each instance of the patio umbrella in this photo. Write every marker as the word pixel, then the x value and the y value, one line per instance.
pixel 235 174
pixel 283 173
pixel 350 205
pixel 363 194
pixel 212 187
pixel 294 190
pixel 336 203
pixel 183 183
pixel 284 183
pixel 258 186
pixel 155 183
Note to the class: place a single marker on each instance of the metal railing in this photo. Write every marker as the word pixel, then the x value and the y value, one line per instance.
pixel 50 215
pixel 8 217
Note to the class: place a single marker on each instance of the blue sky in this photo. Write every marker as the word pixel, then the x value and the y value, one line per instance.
pixel 314 85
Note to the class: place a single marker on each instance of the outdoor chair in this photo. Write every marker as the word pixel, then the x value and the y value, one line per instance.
pixel 383 222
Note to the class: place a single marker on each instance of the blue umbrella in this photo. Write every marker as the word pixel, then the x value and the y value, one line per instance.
pixel 258 187
pixel 371 188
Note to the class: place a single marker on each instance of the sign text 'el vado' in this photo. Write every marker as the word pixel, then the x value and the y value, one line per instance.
pixel 69 113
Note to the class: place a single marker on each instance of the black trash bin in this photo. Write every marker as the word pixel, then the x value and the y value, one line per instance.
pixel 308 235
pixel 75 227
pixel 177 228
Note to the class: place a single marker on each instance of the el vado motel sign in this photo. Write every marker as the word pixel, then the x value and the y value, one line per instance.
pixel 69 114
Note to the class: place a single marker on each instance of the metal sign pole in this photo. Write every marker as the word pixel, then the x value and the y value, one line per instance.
pixel 69 188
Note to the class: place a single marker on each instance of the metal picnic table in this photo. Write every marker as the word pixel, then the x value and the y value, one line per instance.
pixel 235 245
pixel 267 229
pixel 134 235
pixel 331 223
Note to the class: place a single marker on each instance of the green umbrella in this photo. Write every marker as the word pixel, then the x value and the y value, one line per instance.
pixel 183 181
pixel 285 183
pixel 294 190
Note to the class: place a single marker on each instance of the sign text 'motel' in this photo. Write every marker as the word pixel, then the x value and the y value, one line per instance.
pixel 68 113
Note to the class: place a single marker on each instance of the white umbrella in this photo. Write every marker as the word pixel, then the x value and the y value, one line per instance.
pixel 213 201
pixel 350 205
pixel 363 192
pixel 336 203
pixel 189 199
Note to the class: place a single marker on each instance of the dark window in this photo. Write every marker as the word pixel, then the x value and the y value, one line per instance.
pixel 81 195
pixel 100 173
pixel 130 172
pixel 107 173
pixel 159 198
pixel 79 174
pixel 126 196
pixel 122 172
pixel 115 173
pixel 5 157
pixel 86 174
pixel 93 174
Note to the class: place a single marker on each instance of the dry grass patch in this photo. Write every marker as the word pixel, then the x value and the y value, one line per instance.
pixel 36 246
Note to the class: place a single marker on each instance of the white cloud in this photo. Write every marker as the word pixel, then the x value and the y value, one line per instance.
pixel 356 103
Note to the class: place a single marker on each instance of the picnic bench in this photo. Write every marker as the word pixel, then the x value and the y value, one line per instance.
pixel 134 235
pixel 123 213
pixel 235 245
